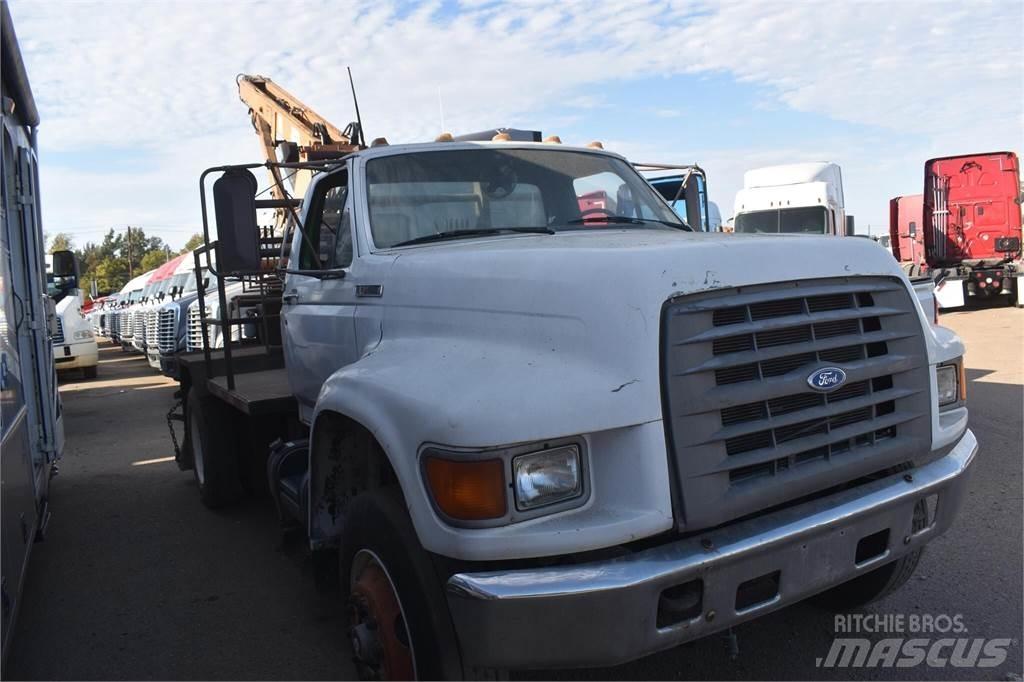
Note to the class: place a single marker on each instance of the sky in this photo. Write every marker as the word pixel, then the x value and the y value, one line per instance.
pixel 137 98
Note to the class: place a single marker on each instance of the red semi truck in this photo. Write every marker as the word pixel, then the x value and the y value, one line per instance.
pixel 971 214
pixel 906 233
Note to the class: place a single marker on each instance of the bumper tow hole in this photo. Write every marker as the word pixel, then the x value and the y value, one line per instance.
pixel 680 603
pixel 872 547
pixel 757 591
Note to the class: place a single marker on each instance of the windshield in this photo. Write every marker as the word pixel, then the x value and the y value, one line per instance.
pixel 57 287
pixel 417 195
pixel 190 281
pixel 803 220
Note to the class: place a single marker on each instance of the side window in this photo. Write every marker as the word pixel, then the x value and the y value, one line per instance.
pixel 327 229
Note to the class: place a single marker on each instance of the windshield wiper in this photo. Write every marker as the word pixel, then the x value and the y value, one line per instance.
pixel 476 232
pixel 629 220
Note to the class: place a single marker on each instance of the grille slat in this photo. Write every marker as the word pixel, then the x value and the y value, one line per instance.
pixel 822 346
pixel 723 331
pixel 725 395
pixel 59 336
pixel 736 376
pixel 796 409
pixel 839 434
pixel 773 292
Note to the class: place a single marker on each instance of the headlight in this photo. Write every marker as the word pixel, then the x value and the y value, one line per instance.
pixel 949 382
pixel 82 335
pixel 547 477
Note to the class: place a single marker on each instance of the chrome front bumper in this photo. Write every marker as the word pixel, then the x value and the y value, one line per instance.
pixel 605 612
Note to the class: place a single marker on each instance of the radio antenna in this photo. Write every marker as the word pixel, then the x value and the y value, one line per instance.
pixel 355 101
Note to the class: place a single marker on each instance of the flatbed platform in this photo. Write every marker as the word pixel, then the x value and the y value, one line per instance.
pixel 256 393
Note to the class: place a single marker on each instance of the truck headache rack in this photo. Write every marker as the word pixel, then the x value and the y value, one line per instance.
pixel 261 288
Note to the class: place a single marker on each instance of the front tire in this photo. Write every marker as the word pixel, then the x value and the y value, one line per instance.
pixel 214 458
pixel 400 626
pixel 878 583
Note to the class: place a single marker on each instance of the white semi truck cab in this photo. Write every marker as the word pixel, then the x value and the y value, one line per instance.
pixel 799 198
pixel 74 342
pixel 535 432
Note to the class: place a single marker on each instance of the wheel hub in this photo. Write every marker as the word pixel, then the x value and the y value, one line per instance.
pixel 377 629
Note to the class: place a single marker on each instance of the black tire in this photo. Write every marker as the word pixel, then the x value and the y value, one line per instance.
pixel 377 522
pixel 214 457
pixel 90 372
pixel 880 582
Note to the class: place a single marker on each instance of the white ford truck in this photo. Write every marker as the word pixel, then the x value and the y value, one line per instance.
pixel 529 434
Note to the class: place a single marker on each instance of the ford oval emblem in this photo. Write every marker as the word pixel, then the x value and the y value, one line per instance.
pixel 827 379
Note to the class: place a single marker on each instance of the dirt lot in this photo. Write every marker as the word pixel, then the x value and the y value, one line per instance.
pixel 138 581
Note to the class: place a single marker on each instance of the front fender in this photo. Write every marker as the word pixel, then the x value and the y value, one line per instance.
pixel 407 394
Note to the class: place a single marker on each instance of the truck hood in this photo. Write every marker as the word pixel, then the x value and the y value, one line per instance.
pixel 581 307
pixel 585 273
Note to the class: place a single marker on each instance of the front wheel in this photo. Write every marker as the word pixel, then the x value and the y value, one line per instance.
pixel 398 617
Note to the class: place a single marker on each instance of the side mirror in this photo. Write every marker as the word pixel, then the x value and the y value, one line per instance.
pixel 64 264
pixel 849 226
pixel 238 236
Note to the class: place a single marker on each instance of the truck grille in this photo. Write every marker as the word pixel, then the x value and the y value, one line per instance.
pixel 167 334
pixel 139 325
pixel 748 432
pixel 59 336
pixel 152 317
pixel 126 324
pixel 194 335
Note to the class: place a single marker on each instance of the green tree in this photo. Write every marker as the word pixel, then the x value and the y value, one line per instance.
pixel 193 243
pixel 107 261
pixel 62 241
pixel 153 259
pixel 110 274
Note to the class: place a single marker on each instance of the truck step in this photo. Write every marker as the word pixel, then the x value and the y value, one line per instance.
pixel 288 474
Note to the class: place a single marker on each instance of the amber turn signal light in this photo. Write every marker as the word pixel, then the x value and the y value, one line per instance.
pixel 467 490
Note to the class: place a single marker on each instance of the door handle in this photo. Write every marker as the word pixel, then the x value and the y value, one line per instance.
pixel 290 297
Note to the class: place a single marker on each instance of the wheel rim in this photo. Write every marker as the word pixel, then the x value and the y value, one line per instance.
pixel 197 450
pixel 378 631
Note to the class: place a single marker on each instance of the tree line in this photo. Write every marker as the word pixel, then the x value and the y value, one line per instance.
pixel 107 262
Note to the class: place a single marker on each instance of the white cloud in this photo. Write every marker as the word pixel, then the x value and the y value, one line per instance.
pixel 159 77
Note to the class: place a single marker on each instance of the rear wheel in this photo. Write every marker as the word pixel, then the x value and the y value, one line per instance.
pixel 398 615
pixel 214 459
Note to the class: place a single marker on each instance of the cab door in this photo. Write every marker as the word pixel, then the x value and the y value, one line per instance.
pixel 318 313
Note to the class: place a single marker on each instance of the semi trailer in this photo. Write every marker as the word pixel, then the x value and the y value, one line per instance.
pixel 507 421
pixel 972 227
pixel 31 425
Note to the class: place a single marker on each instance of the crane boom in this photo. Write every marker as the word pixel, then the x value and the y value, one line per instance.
pixel 291 131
